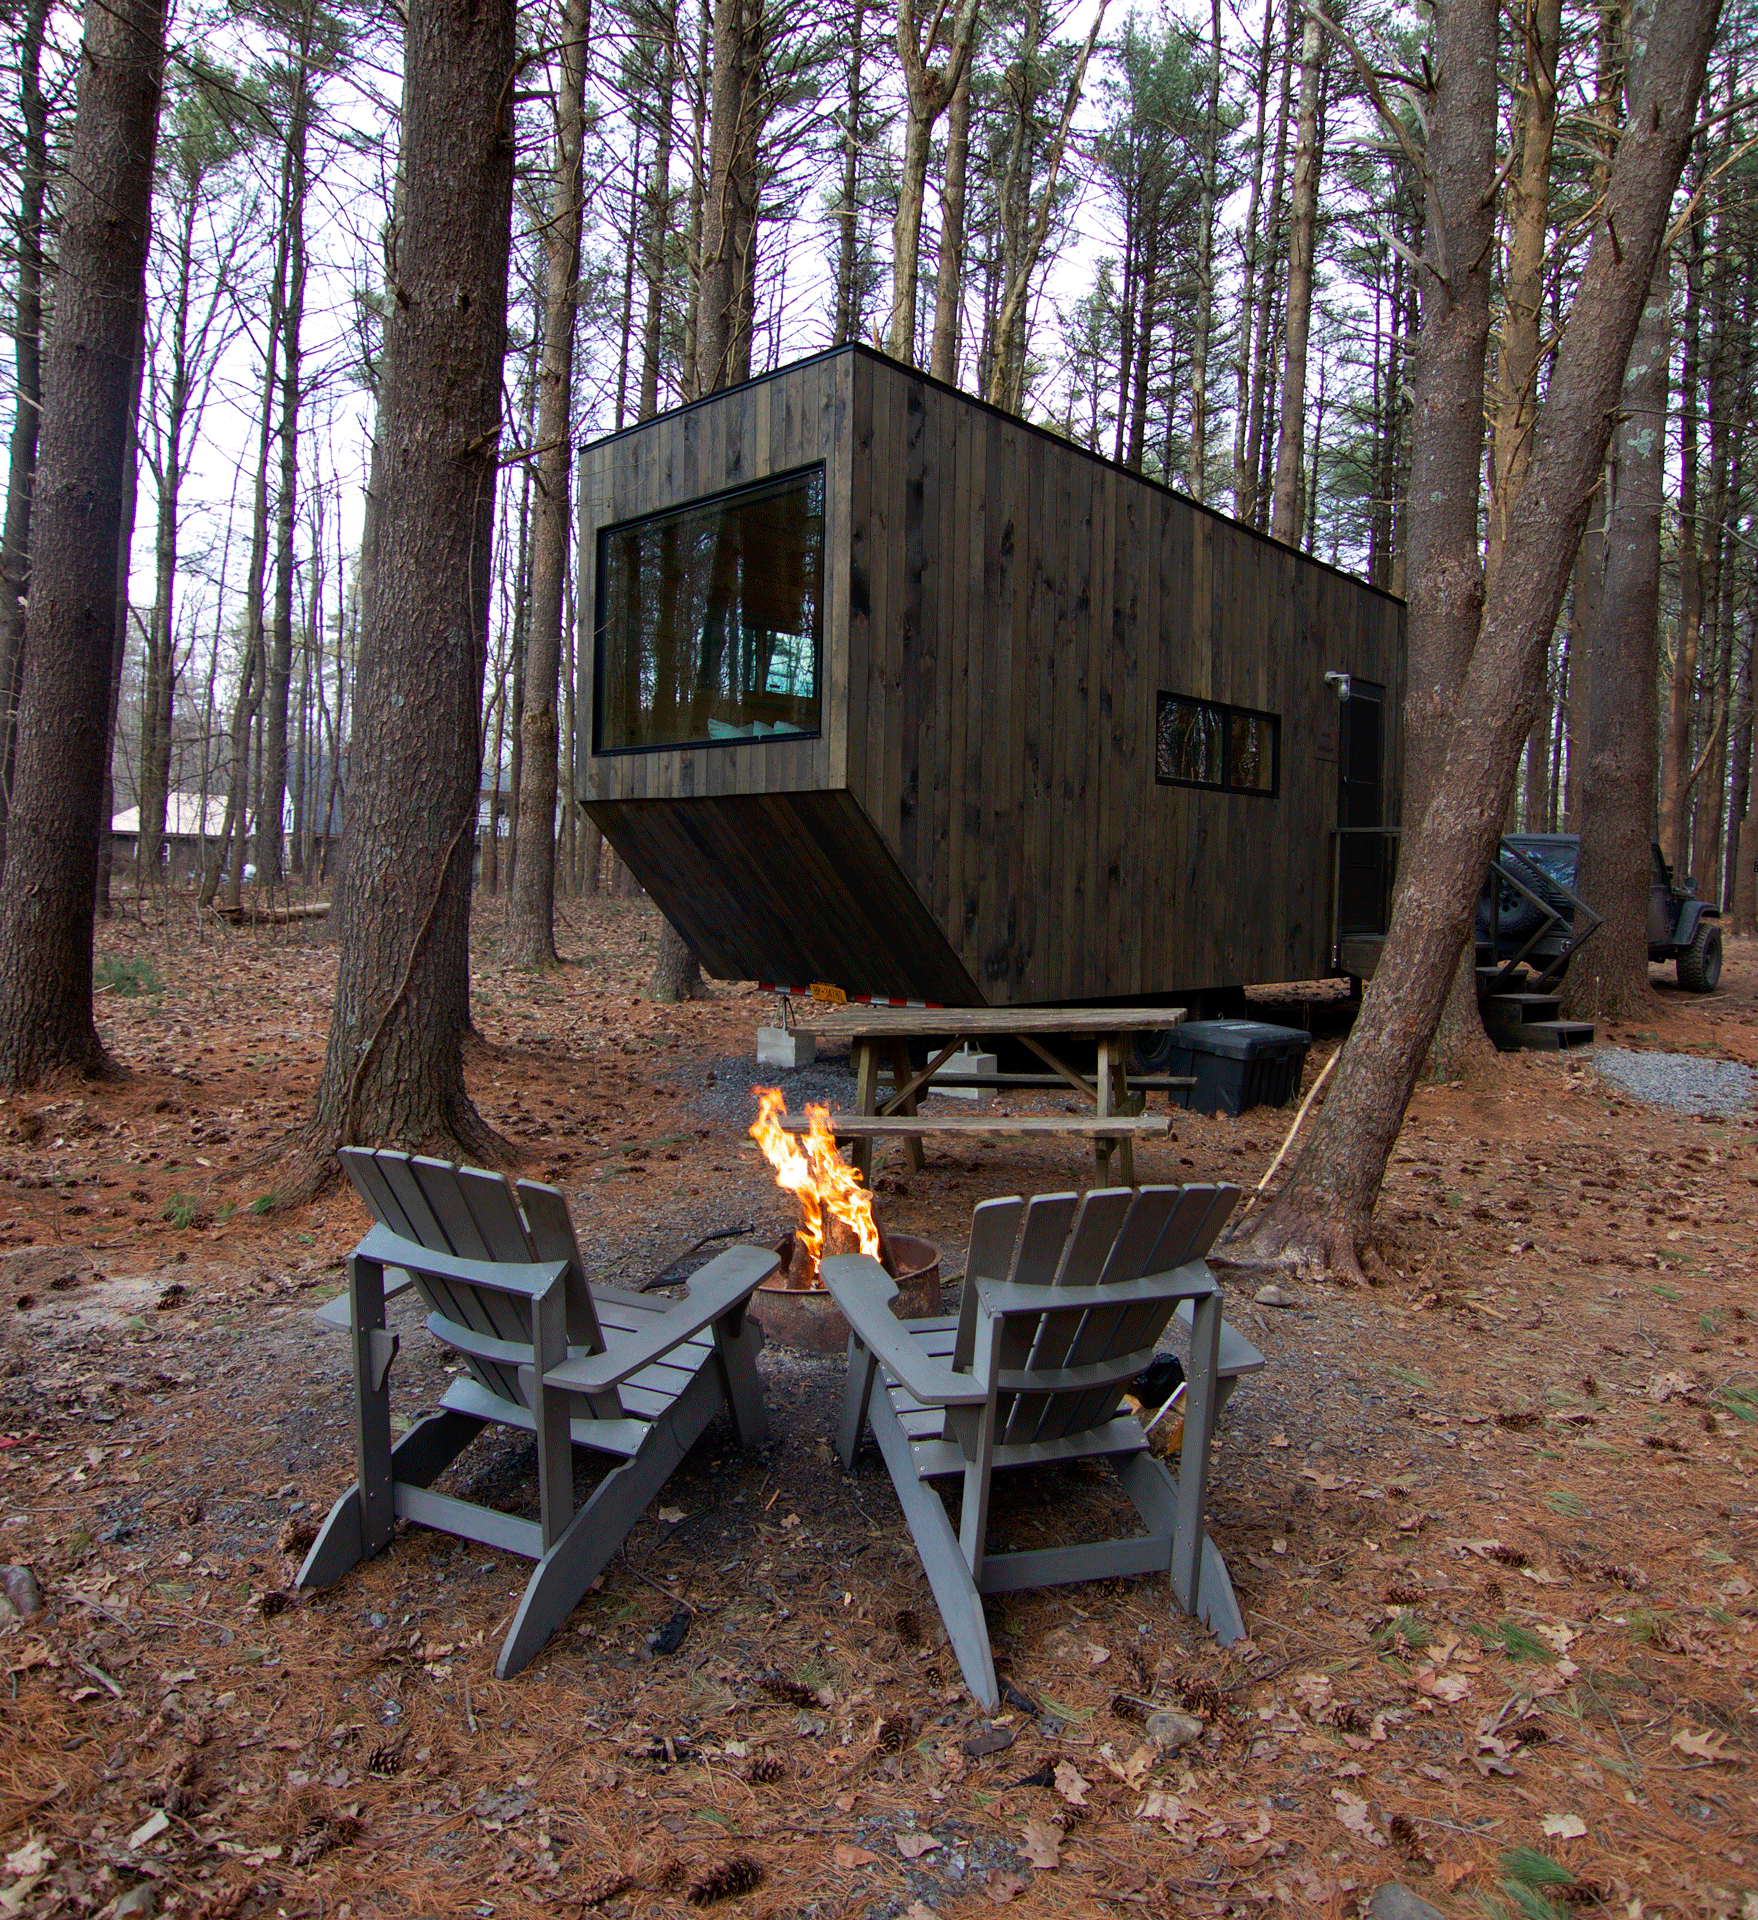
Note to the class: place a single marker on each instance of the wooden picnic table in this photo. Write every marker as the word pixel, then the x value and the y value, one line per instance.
pixel 873 1032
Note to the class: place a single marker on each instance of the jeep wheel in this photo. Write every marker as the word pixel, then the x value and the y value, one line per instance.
pixel 1699 966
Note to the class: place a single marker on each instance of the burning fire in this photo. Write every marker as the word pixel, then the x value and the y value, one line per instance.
pixel 813 1171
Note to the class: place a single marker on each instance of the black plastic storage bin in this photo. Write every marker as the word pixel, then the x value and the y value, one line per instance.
pixel 1237 1064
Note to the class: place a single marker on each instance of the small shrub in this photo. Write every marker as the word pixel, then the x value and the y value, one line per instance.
pixel 264 1202
pixel 127 979
pixel 181 1210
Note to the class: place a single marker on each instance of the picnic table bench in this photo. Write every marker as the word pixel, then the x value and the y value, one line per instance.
pixel 1116 1122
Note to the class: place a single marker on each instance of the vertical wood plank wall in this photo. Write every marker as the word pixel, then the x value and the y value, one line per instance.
pixel 1001 612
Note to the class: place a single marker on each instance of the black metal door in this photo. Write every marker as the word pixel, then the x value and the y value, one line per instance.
pixel 1361 865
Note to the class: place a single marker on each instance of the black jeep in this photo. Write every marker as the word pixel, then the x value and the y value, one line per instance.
pixel 1682 928
pixel 1530 914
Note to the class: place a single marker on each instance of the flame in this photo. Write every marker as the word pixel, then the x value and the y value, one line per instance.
pixel 813 1171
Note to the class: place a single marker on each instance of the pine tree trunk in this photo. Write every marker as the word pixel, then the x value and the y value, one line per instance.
pixel 46 893
pixel 728 217
pixel 531 931
pixel 393 1071
pixel 27 326
pixel 846 325
pixel 1197 475
pixel 949 283
pixel 658 224
pixel 1302 231
pixel 119 637
pixel 1320 1221
pixel 1446 564
pixel 271 804
pixel 928 90
pixel 1249 494
pixel 1676 741
pixel 1252 243
pixel 1610 979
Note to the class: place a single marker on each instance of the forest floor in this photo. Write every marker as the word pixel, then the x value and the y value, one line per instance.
pixel 1491 1523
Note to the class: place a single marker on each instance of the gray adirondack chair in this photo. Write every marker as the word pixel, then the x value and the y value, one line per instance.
pixel 1065 1299
pixel 620 1373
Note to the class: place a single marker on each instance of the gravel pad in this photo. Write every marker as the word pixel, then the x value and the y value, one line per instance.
pixel 1678 1080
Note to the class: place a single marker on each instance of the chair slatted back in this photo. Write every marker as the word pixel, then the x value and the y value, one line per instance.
pixel 1070 1243
pixel 473 1215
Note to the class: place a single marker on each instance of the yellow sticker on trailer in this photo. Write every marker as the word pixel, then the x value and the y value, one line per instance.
pixel 832 996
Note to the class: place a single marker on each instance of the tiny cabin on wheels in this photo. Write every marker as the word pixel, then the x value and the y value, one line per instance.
pixel 884 688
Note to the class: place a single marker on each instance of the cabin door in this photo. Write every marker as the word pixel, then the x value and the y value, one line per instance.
pixel 1361 866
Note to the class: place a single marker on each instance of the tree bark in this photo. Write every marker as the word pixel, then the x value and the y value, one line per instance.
pixel 1516 388
pixel 27 328
pixel 1247 488
pixel 46 892
pixel 928 91
pixel 847 322
pixel 393 1071
pixel 1302 231
pixel 1197 476
pixel 1252 246
pixel 1676 743
pixel 658 222
pixel 1319 1223
pixel 949 284
pixel 729 218
pixel 119 635
pixel 272 788
pixel 1611 977
pixel 531 933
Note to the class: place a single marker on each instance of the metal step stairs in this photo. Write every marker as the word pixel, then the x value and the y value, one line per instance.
pixel 1516 1018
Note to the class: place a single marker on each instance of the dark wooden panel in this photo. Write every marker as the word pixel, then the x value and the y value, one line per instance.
pixel 790 887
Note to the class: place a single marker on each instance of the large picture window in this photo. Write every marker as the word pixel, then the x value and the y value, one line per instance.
pixel 708 620
pixel 1201 743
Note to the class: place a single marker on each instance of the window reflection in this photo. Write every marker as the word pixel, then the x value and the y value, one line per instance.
pixel 1189 745
pixel 1203 743
pixel 708 619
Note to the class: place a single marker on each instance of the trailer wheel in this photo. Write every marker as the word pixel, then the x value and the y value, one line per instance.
pixel 1152 1050
pixel 1699 966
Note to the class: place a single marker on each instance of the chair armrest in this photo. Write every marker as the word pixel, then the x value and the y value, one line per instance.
pixel 1238 1355
pixel 338 1310
pixel 1193 1281
pixel 528 1279
pixel 717 1289
pixel 864 1291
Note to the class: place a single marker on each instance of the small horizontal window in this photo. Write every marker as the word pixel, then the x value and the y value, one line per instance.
pixel 1201 743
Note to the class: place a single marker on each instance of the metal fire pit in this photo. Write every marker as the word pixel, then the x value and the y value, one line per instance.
pixel 809 1318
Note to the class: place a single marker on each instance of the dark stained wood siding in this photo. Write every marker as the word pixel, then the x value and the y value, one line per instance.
pixel 1001 612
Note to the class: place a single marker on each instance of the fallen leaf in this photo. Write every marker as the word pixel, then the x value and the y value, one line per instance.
pixel 1671 1385
pixel 669 1515
pixel 1563 1826
pixel 1450 1687
pixel 1314 1690
pixel 917 1910
pixel 1354 1815
pixel 1559 1636
pixel 1070 1785
pixel 913 1845
pixel 847 1856
pixel 1133 1771
pixel 1450 1872
pixel 989 1740
pixel 1041 1844
pixel 1002 1887
pixel 1327 1482
pixel 1700 1746
pixel 149 1829
pixel 1278 1438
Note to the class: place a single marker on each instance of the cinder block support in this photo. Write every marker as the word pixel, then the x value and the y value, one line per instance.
pixel 785 1047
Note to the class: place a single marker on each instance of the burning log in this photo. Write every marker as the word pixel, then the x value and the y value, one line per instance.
pixel 836 1211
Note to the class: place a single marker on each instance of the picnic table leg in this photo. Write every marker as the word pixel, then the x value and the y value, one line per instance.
pixel 1121 1044
pixel 901 1077
pixel 866 1105
pixel 1102 1147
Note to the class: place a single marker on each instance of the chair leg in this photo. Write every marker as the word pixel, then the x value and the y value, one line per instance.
pixel 955 1591
pixel 744 1391
pixel 856 1393
pixel 1154 1492
pixel 418 1460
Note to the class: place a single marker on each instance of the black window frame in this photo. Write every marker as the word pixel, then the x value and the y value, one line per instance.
pixel 700 503
pixel 1227 712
